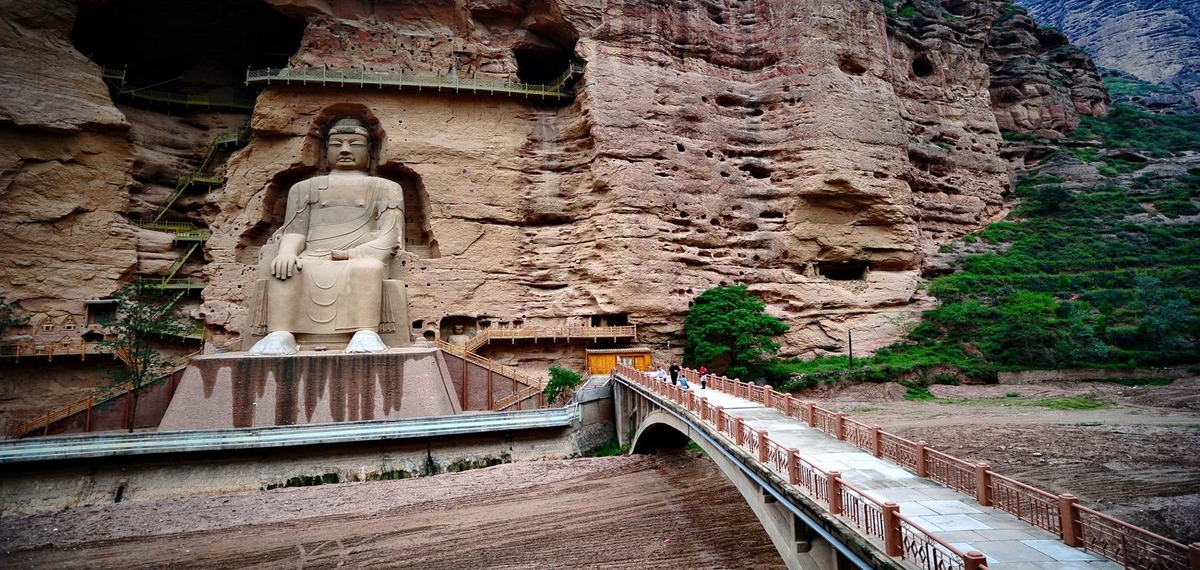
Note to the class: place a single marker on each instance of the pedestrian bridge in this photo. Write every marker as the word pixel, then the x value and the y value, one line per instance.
pixel 833 493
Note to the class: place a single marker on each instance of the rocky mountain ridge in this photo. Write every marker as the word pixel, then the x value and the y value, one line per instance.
pixel 1155 40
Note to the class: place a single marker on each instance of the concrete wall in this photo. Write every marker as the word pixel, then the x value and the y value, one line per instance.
pixel 55 485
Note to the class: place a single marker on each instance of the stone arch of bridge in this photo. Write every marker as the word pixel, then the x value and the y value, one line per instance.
pixel 799 542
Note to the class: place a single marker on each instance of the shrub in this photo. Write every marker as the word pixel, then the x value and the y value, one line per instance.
pixel 561 380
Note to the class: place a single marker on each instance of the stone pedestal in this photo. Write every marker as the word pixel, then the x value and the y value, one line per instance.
pixel 238 390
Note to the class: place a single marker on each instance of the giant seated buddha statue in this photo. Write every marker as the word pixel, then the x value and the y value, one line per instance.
pixel 329 274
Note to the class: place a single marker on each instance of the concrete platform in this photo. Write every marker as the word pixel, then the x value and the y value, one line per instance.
pixel 238 390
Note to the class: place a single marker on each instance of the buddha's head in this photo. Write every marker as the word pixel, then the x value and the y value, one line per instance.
pixel 348 146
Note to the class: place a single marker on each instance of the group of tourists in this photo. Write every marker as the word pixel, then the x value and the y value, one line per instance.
pixel 677 378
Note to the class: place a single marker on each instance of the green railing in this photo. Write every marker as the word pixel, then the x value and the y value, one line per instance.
pixel 147 95
pixel 177 283
pixel 201 174
pixel 560 88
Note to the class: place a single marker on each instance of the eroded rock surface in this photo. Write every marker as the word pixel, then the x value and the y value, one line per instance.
pixel 816 151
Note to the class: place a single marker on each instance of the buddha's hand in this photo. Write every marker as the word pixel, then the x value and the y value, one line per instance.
pixel 285 266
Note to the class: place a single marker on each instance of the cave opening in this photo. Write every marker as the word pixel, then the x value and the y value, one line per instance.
pixel 844 270
pixel 922 67
pixel 541 64
pixel 186 46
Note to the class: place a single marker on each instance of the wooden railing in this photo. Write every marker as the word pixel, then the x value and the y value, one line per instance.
pixel 488 335
pixel 43 421
pixel 879 520
pixel 50 349
pixel 1075 524
pixel 530 387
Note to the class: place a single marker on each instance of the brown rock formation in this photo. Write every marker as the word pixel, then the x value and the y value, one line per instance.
pixel 1040 82
pixel 813 150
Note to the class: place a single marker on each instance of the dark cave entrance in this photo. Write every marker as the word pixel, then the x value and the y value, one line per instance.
pixel 541 64
pixel 186 46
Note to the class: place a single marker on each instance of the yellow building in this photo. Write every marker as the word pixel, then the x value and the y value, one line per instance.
pixel 602 361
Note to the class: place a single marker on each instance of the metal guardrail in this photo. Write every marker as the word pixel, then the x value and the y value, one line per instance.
pixel 1077 525
pixel 103 445
pixel 560 88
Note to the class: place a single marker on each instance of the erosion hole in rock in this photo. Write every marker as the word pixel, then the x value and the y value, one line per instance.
pixel 186 46
pixel 843 270
pixel 756 169
pixel 541 64
pixel 922 67
pixel 770 214
pixel 851 65
pixel 714 14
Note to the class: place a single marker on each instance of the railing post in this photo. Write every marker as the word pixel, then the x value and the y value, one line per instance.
pixel 766 395
pixel 787 405
pixel 974 560
pixel 793 466
pixel 876 442
pixel 738 437
pixel 893 539
pixel 703 404
pixel 983 484
pixel 1072 534
pixel 719 420
pixel 1194 555
pixel 834 488
pixel 762 446
pixel 812 415
pixel 839 425
pixel 922 459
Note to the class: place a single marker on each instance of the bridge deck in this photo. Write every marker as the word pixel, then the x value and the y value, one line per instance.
pixel 1008 543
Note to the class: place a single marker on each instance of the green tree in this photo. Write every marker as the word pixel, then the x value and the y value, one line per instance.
pixel 144 312
pixel 728 322
pixel 561 380
pixel 1166 316
pixel 1025 331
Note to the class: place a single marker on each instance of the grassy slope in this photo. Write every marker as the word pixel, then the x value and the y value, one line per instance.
pixel 1082 281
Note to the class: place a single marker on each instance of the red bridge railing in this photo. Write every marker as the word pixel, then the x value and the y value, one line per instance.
pixel 1077 525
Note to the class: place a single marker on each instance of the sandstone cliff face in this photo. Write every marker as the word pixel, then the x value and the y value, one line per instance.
pixel 1040 82
pixel 64 164
pixel 1155 40
pixel 814 150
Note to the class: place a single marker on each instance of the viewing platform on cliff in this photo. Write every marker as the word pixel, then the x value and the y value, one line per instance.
pixel 552 334
pixel 560 88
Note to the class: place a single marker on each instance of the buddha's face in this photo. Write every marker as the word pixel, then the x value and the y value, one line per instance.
pixel 348 151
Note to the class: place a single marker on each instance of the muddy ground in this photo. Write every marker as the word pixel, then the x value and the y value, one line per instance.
pixel 1138 458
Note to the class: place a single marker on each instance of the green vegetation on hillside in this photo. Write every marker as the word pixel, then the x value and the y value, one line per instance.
pixel 1102 275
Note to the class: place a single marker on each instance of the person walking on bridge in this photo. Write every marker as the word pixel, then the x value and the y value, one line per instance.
pixel 674 370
